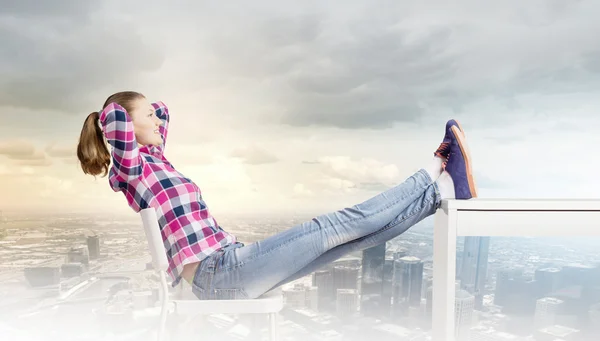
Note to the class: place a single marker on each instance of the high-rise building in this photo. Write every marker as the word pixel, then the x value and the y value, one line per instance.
pixel 372 281
pixel 388 274
pixel 40 276
pixel 407 284
pixel 546 310
pixel 399 253
pixel 312 298
pixel 506 285
pixel 548 280
pixel 345 277
pixel 78 255
pixel 577 274
pixel 473 270
pixel 346 302
pixel 323 280
pixel 464 305
pixel 71 270
pixel 295 297
pixel 93 244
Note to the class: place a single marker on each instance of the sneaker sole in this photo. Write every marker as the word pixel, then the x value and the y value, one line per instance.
pixel 460 127
pixel 460 138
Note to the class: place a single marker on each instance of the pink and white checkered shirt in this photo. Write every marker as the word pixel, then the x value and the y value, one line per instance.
pixel 148 179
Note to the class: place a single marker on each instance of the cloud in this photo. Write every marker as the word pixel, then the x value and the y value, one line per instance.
pixel 301 190
pixel 18 149
pixel 373 67
pixel 254 155
pixel 58 55
pixel 331 185
pixel 356 78
pixel 58 151
pixel 24 153
pixel 343 174
pixel 43 162
pixel 359 171
pixel 58 9
pixel 315 65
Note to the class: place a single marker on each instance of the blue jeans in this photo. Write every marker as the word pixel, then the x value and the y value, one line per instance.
pixel 240 271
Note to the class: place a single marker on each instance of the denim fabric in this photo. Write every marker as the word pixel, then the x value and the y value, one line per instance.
pixel 241 271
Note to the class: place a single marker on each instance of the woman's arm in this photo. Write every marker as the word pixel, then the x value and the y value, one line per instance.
pixel 162 112
pixel 118 130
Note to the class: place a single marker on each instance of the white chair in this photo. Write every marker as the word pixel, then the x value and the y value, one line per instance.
pixel 271 303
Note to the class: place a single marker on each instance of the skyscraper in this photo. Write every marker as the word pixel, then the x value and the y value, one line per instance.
pixel 548 280
pixel 473 270
pixel 372 281
pixel 545 311
pixel 323 280
pixel 463 315
pixel 407 284
pixel 346 302
pixel 506 284
pixel 93 244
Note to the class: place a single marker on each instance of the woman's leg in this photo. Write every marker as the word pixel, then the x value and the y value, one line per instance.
pixel 252 270
pixel 387 233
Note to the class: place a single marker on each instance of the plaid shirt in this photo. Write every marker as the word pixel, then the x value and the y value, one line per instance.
pixel 148 179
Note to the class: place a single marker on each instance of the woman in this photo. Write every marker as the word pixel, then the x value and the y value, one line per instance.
pixel 211 259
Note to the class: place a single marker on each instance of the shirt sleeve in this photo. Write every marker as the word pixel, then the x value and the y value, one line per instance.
pixel 162 112
pixel 118 130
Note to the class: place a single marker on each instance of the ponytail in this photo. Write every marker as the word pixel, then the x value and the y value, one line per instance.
pixel 92 151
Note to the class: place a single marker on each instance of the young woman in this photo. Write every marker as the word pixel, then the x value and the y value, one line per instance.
pixel 212 260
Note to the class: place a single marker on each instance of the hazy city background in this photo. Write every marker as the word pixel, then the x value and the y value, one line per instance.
pixel 283 110
pixel 80 276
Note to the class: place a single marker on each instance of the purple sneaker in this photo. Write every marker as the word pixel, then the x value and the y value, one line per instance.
pixel 458 165
pixel 444 148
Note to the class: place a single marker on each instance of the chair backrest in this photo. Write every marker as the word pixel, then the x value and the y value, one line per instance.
pixel 155 242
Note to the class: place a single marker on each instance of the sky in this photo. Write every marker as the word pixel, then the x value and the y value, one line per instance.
pixel 287 106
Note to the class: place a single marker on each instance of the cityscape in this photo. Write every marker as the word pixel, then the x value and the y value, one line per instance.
pixel 89 277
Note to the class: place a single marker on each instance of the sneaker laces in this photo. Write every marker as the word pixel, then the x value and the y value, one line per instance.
pixel 445 162
pixel 444 146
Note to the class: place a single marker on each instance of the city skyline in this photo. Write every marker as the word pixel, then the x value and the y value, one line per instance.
pixel 303 107
pixel 531 287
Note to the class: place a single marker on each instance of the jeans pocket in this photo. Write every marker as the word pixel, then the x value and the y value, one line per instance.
pixel 205 287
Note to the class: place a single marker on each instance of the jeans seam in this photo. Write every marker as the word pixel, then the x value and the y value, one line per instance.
pixel 335 224
pixel 393 225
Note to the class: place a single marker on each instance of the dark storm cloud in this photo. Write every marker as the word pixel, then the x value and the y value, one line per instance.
pixel 57 54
